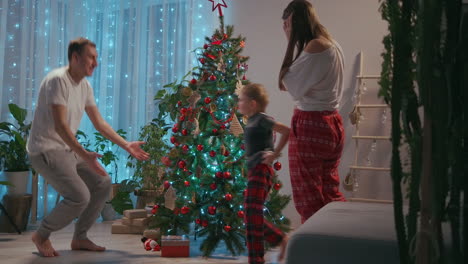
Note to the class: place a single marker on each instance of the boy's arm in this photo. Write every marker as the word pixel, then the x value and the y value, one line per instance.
pixel 269 157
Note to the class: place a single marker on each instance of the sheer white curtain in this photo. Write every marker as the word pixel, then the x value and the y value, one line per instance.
pixel 142 45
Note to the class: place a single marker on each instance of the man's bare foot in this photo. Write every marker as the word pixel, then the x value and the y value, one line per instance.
pixel 85 245
pixel 284 244
pixel 43 246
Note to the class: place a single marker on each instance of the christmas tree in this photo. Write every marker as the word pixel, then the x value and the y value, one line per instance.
pixel 205 174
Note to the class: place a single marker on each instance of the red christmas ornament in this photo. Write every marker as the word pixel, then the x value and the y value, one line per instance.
pixel 244 78
pixel 225 36
pixel 176 211
pixel 156 206
pixel 193 81
pixel 212 153
pixel 186 183
pixel 212 210
pixel 215 130
pixel 228 197
pixel 242 147
pixel 183 110
pixel 213 186
pixel 185 148
pixel 207 100
pixel 200 147
pixel 185 210
pixel 205 46
pixel 204 223
pixel 226 153
pixel 227 228
pixel 277 165
pixel 179 103
pixel 167 184
pixel 240 214
pixel 227 175
pixel 173 140
pixel 175 129
pixel 182 164
pixel 212 78
pixel 202 61
pixel 184 132
pixel 198 221
pixel 219 174
pixel 182 118
pixel 222 127
pixel 277 186
pixel 154 211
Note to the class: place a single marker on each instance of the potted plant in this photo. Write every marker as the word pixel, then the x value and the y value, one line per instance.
pixel 148 172
pixel 14 161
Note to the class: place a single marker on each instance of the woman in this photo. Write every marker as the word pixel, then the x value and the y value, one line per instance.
pixel 312 72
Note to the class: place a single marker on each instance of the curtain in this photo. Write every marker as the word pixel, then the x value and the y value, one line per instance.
pixel 141 46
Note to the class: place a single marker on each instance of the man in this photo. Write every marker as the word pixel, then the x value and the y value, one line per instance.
pixel 56 154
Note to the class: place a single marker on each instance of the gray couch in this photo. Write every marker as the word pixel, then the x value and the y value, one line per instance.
pixel 346 232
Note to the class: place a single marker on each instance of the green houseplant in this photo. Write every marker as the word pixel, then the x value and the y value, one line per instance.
pixel 14 161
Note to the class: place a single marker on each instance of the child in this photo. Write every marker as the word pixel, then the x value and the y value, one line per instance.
pixel 260 152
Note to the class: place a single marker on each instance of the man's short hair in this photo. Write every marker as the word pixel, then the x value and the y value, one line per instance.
pixel 77 46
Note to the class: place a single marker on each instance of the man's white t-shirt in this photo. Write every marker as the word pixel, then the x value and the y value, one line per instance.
pixel 58 88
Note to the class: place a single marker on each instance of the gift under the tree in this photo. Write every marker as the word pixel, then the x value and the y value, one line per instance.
pixel 175 246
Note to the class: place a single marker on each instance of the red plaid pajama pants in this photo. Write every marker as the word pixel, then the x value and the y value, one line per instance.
pixel 315 147
pixel 258 229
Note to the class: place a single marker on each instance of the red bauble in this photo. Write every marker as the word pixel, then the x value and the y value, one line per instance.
pixel 227 175
pixel 228 197
pixel 175 129
pixel 199 147
pixel 226 153
pixel 185 210
pixel 173 140
pixel 184 132
pixel 179 103
pixel 176 211
pixel 207 100
pixel 214 130
pixel 186 183
pixel 243 147
pixel 277 165
pixel 225 36
pixel 222 127
pixel 277 186
pixel 212 78
pixel 240 214
pixel 198 221
pixel 183 110
pixel 243 78
pixel 182 164
pixel 212 153
pixel 182 118
pixel 205 46
pixel 193 81
pixel 213 186
pixel 212 210
pixel 185 148
pixel 219 174
pixel 227 228
pixel 156 206
pixel 154 211
pixel 202 61
pixel 204 223
pixel 167 184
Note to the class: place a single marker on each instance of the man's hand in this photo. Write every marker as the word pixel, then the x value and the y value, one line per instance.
pixel 134 149
pixel 91 159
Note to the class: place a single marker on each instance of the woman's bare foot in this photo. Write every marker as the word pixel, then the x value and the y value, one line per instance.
pixel 43 246
pixel 284 244
pixel 85 245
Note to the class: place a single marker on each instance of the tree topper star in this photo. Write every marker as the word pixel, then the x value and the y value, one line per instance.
pixel 218 6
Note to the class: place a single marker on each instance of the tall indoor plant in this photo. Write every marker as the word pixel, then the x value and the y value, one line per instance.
pixel 14 161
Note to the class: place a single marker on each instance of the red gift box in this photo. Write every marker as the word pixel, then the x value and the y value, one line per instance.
pixel 175 247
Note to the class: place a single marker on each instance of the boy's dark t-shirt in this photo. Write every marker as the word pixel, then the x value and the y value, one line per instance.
pixel 258 137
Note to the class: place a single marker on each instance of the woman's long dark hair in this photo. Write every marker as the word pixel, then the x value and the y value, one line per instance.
pixel 305 26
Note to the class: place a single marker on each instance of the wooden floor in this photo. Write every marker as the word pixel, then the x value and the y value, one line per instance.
pixel 16 248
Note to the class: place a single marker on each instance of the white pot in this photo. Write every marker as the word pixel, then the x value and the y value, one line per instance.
pixel 19 179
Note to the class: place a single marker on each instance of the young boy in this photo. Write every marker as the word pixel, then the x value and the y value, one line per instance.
pixel 260 152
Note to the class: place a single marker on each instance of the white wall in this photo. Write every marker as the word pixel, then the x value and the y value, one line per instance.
pixel 356 25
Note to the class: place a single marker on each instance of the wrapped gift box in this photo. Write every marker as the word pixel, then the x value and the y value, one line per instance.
pixel 175 247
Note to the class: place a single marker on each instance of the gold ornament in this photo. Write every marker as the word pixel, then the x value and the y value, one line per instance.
pixel 239 86
pixel 186 91
pixel 355 115
pixel 245 120
pixel 235 127
pixel 213 107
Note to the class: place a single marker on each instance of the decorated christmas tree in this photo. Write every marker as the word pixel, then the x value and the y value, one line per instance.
pixel 205 174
